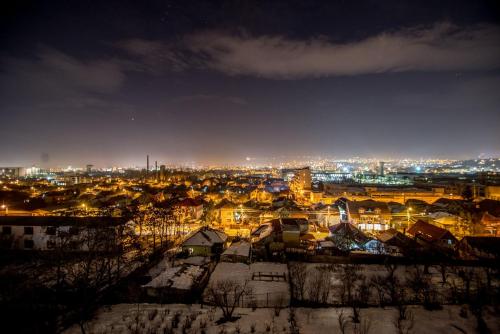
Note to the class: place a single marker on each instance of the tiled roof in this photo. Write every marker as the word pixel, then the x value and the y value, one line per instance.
pixel 349 231
pixel 205 237
pixel 368 206
pixel 428 231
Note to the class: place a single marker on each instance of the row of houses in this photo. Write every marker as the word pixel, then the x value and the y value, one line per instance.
pixel 291 235
pixel 368 215
pixel 277 235
pixel 375 216
pixel 421 237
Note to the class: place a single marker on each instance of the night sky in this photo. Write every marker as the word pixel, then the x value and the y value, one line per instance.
pixel 107 82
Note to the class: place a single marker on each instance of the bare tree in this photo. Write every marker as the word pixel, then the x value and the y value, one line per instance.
pixel 478 301
pixel 226 295
pixel 96 269
pixel 466 275
pixel 349 275
pixel 298 278
pixel 342 321
pixel 423 289
pixel 363 292
pixel 401 304
pixel 404 325
pixel 319 286
pixel 363 327
pixel 58 258
pixel 360 298
pixel 489 272
pixel 279 303
pixel 417 282
pixel 443 269
pixel 378 282
pixel 431 301
pixel 350 292
pixel 392 282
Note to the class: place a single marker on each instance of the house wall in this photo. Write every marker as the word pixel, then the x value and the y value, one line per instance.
pixel 226 216
pixel 291 238
pixel 18 237
pixel 190 212
pixel 198 250
pixel 325 219
pixel 492 192
pixel 41 238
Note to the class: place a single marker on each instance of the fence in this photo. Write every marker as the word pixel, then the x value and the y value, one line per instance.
pixel 260 300
pixel 269 276
pixel 268 299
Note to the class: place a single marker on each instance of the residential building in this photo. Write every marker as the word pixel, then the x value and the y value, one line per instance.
pixel 205 242
pixel 226 213
pixel 189 209
pixel 492 192
pixel 239 251
pixel 12 171
pixel 490 224
pixel 428 234
pixel 347 237
pixel 369 215
pixel 44 232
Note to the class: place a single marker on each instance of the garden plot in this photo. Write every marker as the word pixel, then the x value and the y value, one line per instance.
pixel 194 319
pixel 182 318
pixel 383 320
pixel 267 282
pixel 323 283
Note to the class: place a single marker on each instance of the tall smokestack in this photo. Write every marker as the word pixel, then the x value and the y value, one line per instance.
pixel 156 170
pixel 147 165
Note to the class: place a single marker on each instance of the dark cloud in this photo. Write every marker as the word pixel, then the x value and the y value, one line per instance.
pixel 54 80
pixel 442 47
pixel 153 57
pixel 56 71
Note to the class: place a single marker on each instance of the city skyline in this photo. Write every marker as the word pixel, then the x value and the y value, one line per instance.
pixel 215 83
pixel 249 166
pixel 329 164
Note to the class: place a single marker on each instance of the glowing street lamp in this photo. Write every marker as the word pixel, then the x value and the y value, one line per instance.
pixel 6 208
pixel 408 215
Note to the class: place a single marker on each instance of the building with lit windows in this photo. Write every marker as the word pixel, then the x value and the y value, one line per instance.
pixel 44 232
pixel 369 215
pixel 492 192
pixel 12 171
